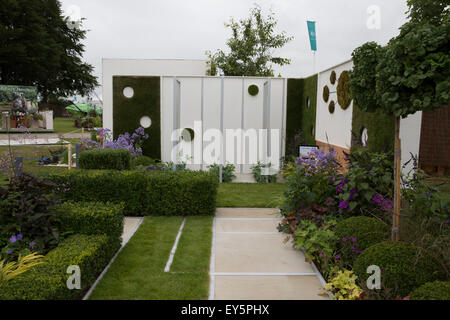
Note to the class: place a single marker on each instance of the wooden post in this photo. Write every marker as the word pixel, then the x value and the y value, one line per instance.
pixel 69 159
pixel 397 177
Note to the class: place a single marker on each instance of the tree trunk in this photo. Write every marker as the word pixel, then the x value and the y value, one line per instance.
pixel 397 177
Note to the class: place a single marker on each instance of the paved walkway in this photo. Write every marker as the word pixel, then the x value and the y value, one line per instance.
pixel 250 261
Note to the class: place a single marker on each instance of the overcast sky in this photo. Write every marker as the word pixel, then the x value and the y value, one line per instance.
pixel 167 29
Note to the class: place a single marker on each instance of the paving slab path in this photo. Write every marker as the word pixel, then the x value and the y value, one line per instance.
pixel 250 260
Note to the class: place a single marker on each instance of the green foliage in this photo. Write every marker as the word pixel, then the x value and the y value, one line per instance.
pixel 326 93
pixel 433 11
pixel 143 161
pixel 331 107
pixel 257 171
pixel 92 218
pixel 411 73
pixel 343 285
pixel 251 47
pixel 343 90
pixel 332 78
pixel 42 50
pixel 402 268
pixel 145 192
pixel 227 172
pixel 128 112
pixel 436 290
pixel 365 230
pixel 24 209
pixel 105 159
pixel 253 90
pixel 48 281
pixel 316 241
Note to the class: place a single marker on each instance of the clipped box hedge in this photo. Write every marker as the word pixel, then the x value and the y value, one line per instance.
pixel 162 193
pixel 93 218
pixel 49 281
pixel 105 159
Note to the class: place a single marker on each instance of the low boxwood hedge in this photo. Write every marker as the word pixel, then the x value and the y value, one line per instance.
pixel 437 290
pixel 403 268
pixel 92 218
pixel 49 281
pixel 105 159
pixel 363 231
pixel 144 193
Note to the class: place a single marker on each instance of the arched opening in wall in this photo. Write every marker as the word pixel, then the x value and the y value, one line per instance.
pixel 128 92
pixel 364 136
pixel 308 102
pixel 313 131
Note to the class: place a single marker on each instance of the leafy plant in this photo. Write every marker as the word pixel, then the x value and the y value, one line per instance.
pixel 260 171
pixel 343 285
pixel 105 159
pixel 317 242
pixel 10 270
pixel 227 172
pixel 437 290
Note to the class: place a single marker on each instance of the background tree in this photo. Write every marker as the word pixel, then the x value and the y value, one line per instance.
pixel 409 74
pixel 252 47
pixel 38 48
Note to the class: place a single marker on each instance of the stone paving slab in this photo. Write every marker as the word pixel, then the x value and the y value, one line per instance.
pixel 268 288
pixel 247 213
pixel 257 253
pixel 129 227
pixel 246 225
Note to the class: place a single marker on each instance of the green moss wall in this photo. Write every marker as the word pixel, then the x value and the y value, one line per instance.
pixel 299 116
pixel 127 112
pixel 380 129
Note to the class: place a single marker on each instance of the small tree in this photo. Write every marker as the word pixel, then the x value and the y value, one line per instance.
pixel 251 47
pixel 411 73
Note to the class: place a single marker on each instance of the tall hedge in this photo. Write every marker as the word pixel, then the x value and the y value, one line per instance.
pixel 105 159
pixel 145 193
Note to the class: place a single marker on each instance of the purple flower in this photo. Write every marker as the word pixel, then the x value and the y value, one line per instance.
pixel 32 244
pixel 9 251
pixel 343 205
pixel 13 239
pixel 338 257
pixel 344 239
pixel 322 254
pixel 353 239
pixel 19 237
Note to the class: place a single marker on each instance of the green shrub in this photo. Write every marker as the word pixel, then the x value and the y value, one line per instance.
pixel 93 218
pixel 436 290
pixel 105 159
pixel 360 233
pixel 227 172
pixel 145 192
pixel 253 90
pixel 343 90
pixel 402 268
pixel 257 171
pixel 49 281
pixel 143 161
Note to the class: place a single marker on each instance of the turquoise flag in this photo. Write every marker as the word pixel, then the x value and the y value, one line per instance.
pixel 312 34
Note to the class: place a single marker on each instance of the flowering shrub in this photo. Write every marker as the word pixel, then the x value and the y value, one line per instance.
pixel 319 162
pixel 343 285
pixel 131 142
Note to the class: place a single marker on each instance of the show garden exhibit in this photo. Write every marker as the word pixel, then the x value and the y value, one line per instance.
pixel 203 120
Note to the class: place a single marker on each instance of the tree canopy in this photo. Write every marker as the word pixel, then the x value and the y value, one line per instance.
pixel 251 47
pixel 38 48
pixel 410 73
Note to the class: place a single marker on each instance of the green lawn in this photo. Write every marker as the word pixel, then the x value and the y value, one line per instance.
pixel 258 195
pixel 65 125
pixel 138 272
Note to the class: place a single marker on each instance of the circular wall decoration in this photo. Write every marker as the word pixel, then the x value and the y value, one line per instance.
pixel 343 90
pixel 331 107
pixel 326 93
pixel 128 92
pixel 145 122
pixel 187 134
pixel 308 102
pixel 333 77
pixel 364 136
pixel 253 90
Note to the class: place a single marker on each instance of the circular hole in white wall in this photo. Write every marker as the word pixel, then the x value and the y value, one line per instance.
pixel 146 122
pixel 364 136
pixel 128 92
